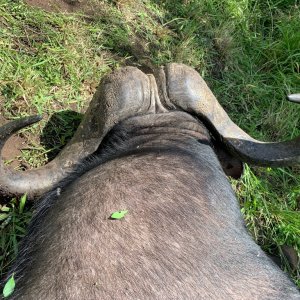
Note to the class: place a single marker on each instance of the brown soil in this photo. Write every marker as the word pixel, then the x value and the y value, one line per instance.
pixel 12 148
pixel 56 5
pixel 66 6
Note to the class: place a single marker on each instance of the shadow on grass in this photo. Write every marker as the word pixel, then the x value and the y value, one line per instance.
pixel 59 130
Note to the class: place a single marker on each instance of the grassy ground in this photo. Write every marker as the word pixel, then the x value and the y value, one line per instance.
pixel 248 51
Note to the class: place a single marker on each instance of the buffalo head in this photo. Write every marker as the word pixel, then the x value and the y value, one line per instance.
pixel 129 92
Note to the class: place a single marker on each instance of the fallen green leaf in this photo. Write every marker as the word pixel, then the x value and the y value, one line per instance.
pixel 119 214
pixel 9 286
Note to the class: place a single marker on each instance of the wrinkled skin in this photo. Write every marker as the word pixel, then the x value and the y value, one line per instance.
pixel 183 236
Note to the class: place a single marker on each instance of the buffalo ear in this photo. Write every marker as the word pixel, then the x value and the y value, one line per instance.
pixel 231 165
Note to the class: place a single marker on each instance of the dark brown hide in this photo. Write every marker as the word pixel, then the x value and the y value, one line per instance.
pixel 183 236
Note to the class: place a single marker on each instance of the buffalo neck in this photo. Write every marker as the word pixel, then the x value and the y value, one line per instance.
pixel 176 131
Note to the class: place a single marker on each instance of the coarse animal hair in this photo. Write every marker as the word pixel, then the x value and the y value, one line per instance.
pixel 184 237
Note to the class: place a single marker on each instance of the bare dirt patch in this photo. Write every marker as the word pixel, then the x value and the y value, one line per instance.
pixel 12 148
pixel 57 5
pixel 86 7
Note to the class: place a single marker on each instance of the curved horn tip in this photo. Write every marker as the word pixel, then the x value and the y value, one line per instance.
pixel 24 121
pixel 294 98
pixel 33 119
pixel 11 127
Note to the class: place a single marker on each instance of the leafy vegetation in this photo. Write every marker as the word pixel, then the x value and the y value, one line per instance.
pixel 248 51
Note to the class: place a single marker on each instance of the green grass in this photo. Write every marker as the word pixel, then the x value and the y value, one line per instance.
pixel 248 52
pixel 14 219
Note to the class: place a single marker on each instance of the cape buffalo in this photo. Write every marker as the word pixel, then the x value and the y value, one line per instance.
pixel 148 145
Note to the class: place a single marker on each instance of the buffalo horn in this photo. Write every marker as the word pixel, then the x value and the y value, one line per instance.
pixel 186 89
pixel 124 93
